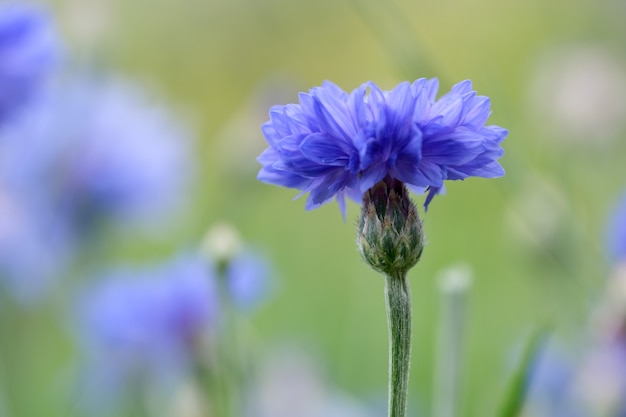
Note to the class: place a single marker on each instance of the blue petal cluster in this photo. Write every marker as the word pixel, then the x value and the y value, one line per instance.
pixel 85 155
pixel 337 144
pixel 97 150
pixel 29 50
pixel 145 325
pixel 248 279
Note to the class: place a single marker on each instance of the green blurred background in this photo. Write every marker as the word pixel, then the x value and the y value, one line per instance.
pixel 533 239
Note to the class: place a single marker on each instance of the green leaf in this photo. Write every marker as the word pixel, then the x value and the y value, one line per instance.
pixel 520 380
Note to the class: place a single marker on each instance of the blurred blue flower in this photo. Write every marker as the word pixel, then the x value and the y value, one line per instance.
pixel 601 382
pixel 592 384
pixel 31 255
pixel 550 390
pixel 145 326
pixel 29 50
pixel 616 232
pixel 335 144
pixel 97 150
pixel 291 383
pixel 248 279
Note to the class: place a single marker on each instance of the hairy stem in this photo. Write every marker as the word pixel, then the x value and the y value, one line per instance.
pixel 398 295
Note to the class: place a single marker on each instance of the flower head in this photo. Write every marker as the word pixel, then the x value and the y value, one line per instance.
pixel 149 308
pixel 29 49
pixel 146 325
pixel 94 152
pixel 337 144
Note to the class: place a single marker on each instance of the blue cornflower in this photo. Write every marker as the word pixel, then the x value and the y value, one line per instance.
pixel 29 50
pixel 145 326
pixel 97 150
pixel 337 144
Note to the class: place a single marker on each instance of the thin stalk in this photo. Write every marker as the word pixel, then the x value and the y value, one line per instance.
pixel 229 379
pixel 454 285
pixel 398 295
pixel 9 358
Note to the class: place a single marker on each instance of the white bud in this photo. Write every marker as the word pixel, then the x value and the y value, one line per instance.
pixel 221 243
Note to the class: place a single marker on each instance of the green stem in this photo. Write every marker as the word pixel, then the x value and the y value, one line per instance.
pixel 454 286
pixel 398 296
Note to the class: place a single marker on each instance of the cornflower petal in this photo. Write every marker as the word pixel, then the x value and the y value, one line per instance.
pixel 400 105
pixel 356 103
pixel 424 91
pixel 432 87
pixel 376 109
pixel 332 116
pixel 478 112
pixel 271 175
pixel 432 192
pixel 455 148
pixel 461 88
pixel 324 189
pixel 371 176
pixel 449 108
pixel 495 134
pixel 325 150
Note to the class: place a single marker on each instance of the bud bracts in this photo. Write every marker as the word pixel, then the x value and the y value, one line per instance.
pixel 390 237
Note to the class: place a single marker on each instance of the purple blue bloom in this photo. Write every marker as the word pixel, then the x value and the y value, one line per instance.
pixel 338 144
pixel 550 386
pixel 248 279
pixel 591 384
pixel 146 326
pixel 33 252
pixel 98 150
pixel 616 233
pixel 29 50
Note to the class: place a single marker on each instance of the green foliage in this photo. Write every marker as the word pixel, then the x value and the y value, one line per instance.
pixel 514 399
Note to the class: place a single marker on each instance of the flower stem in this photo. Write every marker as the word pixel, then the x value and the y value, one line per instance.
pixel 398 294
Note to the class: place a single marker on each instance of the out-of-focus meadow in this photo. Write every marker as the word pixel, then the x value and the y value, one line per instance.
pixel 535 240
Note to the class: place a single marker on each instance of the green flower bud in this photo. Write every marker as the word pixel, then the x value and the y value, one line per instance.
pixel 390 236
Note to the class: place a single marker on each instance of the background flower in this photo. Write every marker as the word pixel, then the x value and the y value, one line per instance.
pixel 550 386
pixel 248 279
pixel 616 232
pixel 145 326
pixel 33 251
pixel 29 50
pixel 98 150
pixel 578 91
pixel 292 383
